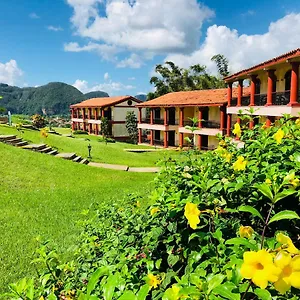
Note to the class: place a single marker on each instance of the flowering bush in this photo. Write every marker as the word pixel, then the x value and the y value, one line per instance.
pixel 220 225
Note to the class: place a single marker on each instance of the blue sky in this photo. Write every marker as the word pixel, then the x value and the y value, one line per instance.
pixel 114 45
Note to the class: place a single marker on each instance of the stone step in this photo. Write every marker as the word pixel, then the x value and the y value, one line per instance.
pixel 7 137
pixel 77 159
pixel 46 150
pixel 35 147
pixel 68 156
pixel 14 141
pixel 84 161
pixel 21 144
pixel 53 152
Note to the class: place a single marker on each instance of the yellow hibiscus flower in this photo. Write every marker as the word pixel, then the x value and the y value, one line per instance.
pixel 292 180
pixel 268 181
pixel 154 210
pixel 259 267
pixel 240 164
pixel 237 130
pixel 278 136
pixel 153 280
pixel 290 272
pixel 246 231
pixel 192 213
pixel 287 243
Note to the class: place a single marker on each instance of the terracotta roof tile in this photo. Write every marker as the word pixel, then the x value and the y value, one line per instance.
pixel 102 102
pixel 268 63
pixel 193 98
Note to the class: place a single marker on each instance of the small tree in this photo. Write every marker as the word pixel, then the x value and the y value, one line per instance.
pixel 131 126
pixel 104 127
pixel 38 121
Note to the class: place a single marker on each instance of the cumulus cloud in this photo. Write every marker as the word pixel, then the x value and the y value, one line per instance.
pixel 54 28
pixel 106 76
pixel 10 73
pixel 107 52
pixel 110 87
pixel 34 16
pixel 244 50
pixel 158 27
pixel 134 62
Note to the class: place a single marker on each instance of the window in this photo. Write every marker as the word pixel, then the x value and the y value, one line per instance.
pixel 129 102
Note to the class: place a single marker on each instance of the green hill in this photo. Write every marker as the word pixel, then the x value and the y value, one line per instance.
pixel 96 94
pixel 53 98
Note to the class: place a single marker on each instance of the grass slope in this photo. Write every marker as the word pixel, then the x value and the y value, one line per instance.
pixel 112 153
pixel 43 196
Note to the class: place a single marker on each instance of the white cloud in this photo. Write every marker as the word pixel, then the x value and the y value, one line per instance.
pixel 248 13
pixel 34 16
pixel 131 78
pixel 134 62
pixel 110 87
pixel 107 52
pixel 244 50
pixel 10 73
pixel 106 76
pixel 54 28
pixel 158 27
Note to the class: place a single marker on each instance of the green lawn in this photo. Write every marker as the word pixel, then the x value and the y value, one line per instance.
pixel 112 153
pixel 44 196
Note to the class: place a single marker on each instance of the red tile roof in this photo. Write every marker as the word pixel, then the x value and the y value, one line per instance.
pixel 103 102
pixel 268 63
pixel 193 98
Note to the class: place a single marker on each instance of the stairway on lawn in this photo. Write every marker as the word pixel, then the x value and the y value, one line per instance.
pixel 42 148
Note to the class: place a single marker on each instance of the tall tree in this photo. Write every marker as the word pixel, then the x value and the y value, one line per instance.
pixel 172 78
pixel 222 64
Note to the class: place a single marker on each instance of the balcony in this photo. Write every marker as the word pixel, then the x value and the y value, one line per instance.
pixel 260 99
pixel 246 101
pixel 146 120
pixel 233 102
pixel 210 124
pixel 158 121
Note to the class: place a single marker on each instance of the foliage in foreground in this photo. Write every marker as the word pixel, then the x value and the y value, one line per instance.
pixel 220 226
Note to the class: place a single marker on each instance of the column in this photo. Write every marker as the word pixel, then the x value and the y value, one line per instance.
pixel 83 117
pixel 166 144
pixel 152 137
pixel 151 116
pixel 72 113
pixel 96 113
pixel 200 116
pixel 166 123
pixel 140 115
pixel 140 136
pixel 229 93
pixel 240 92
pixel 268 121
pixel 102 113
pixel 89 113
pixel 294 84
pixel 252 90
pixel 200 141
pixel 270 86
pixel 251 124
pixel 73 125
pixel 97 129
pixel 229 117
pixel 222 117
pixel 181 124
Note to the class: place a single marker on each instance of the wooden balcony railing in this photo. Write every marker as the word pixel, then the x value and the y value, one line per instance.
pixel 281 98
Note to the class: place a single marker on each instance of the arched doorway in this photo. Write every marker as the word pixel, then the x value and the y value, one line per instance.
pixel 287 79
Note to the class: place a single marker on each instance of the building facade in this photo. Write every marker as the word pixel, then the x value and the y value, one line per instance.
pixel 274 90
pixel 87 114
pixel 198 115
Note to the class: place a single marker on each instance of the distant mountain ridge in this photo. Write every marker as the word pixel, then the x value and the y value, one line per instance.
pixel 142 97
pixel 53 98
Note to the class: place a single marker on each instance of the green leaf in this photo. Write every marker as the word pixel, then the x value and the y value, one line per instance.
pixel 30 289
pixel 241 241
pixel 284 215
pixel 263 294
pixel 52 297
pixel 143 292
pixel 265 190
pixel 173 259
pixel 109 287
pixel 251 210
pixel 95 277
pixel 214 282
pixel 225 290
pixel 283 195
pixel 128 295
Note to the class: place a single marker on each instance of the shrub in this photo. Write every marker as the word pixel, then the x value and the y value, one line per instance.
pixel 80 132
pixel 217 228
pixel 38 121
